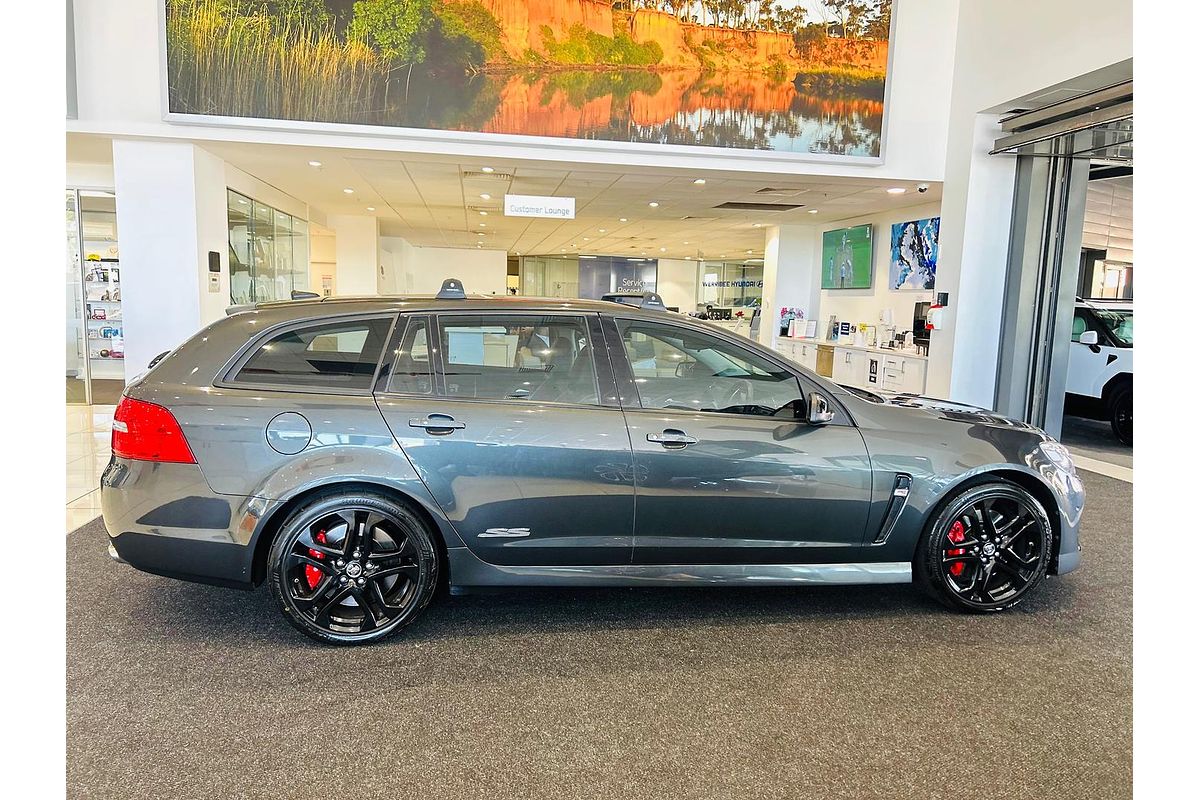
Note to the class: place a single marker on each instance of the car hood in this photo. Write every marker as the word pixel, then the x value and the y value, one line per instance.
pixel 945 409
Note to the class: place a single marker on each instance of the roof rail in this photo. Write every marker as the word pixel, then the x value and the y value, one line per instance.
pixel 452 289
pixel 299 295
pixel 649 301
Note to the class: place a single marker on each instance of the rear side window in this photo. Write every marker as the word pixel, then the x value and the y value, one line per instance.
pixel 329 355
pixel 545 359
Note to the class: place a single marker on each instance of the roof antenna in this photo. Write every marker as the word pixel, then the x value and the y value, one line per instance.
pixel 452 289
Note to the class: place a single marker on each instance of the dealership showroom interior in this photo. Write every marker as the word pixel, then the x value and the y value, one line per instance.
pixel 604 398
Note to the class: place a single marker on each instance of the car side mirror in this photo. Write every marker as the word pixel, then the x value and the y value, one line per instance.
pixel 819 412
pixel 1089 338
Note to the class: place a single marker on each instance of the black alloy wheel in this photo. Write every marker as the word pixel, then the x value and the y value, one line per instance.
pixel 353 568
pixel 1121 414
pixel 990 546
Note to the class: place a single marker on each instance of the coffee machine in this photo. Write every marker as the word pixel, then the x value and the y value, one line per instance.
pixel 919 332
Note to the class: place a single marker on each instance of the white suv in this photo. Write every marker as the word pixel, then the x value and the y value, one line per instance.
pixel 1100 368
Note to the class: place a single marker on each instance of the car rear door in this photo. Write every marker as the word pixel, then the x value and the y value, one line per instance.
pixel 512 421
pixel 727 472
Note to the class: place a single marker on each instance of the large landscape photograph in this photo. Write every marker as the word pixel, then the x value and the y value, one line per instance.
pixel 804 76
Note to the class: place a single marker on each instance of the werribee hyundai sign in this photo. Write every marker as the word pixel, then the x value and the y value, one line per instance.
pixel 524 205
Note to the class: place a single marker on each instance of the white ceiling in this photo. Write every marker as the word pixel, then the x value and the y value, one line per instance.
pixel 1108 218
pixel 436 200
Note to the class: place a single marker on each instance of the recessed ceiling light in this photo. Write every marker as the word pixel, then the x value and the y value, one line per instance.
pixel 574 245
pixel 699 181
pixel 687 258
pixel 603 230
pixel 314 163
pixel 662 249
pixel 487 169
pixel 624 220
pixel 685 242
pixel 812 210
pixel 483 213
pixel 370 208
pixel 485 196
pixel 896 190
pixel 654 204
pixel 643 252
pixel 348 190
pixel 587 238
pixel 483 224
pixel 758 224
pixel 243 202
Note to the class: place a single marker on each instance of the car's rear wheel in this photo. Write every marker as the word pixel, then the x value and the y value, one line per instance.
pixel 351 568
pixel 987 550
pixel 1120 409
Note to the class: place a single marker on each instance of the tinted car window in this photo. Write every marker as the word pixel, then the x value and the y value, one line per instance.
pixel 411 370
pixel 331 355
pixel 515 357
pixel 679 369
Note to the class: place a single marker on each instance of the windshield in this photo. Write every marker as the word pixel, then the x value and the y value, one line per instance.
pixel 1119 324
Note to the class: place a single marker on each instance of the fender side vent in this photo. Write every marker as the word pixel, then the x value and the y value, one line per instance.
pixel 900 492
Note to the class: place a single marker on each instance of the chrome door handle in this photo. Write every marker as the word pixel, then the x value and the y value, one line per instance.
pixel 437 424
pixel 672 439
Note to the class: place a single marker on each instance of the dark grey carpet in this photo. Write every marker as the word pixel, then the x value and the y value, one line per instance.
pixel 180 691
pixel 1094 439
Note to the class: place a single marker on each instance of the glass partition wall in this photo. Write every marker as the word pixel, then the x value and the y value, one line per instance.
pixel 731 284
pixel 268 251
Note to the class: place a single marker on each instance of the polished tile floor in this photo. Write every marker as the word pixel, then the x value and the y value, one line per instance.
pixel 88 431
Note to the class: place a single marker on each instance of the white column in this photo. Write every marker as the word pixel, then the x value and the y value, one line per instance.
pixel 170 214
pixel 357 245
pixel 677 280
pixel 791 275
pixel 977 200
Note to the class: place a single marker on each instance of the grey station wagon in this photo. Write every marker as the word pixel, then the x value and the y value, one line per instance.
pixel 358 453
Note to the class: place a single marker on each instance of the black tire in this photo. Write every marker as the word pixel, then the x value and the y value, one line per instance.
pixel 985 513
pixel 339 586
pixel 1120 413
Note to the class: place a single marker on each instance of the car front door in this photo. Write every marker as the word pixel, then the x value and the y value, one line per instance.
pixel 728 470
pixel 512 421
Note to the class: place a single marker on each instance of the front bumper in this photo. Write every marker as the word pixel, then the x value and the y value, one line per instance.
pixel 164 519
pixel 1070 494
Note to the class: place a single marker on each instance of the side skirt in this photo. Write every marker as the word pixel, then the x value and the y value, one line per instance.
pixel 467 570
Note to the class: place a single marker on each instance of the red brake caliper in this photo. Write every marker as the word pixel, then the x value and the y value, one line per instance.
pixel 957 534
pixel 312 575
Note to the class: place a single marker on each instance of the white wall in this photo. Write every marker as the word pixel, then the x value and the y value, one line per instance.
pixel 1004 51
pixel 421 270
pixel 677 281
pixel 120 87
pixel 357 247
pixel 866 305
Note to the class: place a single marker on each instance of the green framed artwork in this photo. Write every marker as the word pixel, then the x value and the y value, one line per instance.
pixel 846 258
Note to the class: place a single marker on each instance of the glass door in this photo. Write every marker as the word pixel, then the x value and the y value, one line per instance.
pixel 78 388
pixel 95 332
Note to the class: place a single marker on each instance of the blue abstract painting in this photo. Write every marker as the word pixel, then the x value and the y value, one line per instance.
pixel 914 254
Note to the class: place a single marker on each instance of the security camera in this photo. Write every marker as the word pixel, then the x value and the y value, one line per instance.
pixel 922 187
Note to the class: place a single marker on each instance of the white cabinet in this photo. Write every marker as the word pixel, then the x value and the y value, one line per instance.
pixel 902 374
pixel 850 366
pixel 802 351
pixel 878 370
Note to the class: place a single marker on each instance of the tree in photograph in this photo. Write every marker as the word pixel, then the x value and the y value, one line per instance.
pixel 879 23
pixel 395 28
pixel 847 16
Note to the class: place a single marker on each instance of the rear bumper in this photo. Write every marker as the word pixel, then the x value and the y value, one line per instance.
pixel 164 519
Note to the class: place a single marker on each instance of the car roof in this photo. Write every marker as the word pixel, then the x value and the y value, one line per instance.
pixel 428 302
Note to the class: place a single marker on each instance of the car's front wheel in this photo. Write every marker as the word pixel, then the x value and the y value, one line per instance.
pixel 987 550
pixel 1120 412
pixel 350 568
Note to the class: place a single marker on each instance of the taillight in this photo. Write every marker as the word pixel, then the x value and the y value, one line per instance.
pixel 148 432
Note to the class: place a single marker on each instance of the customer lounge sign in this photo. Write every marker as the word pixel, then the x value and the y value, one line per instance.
pixel 524 205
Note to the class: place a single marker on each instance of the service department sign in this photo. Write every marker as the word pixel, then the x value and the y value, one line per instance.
pixel 525 205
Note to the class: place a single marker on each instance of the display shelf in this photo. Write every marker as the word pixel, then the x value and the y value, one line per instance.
pixel 105 333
